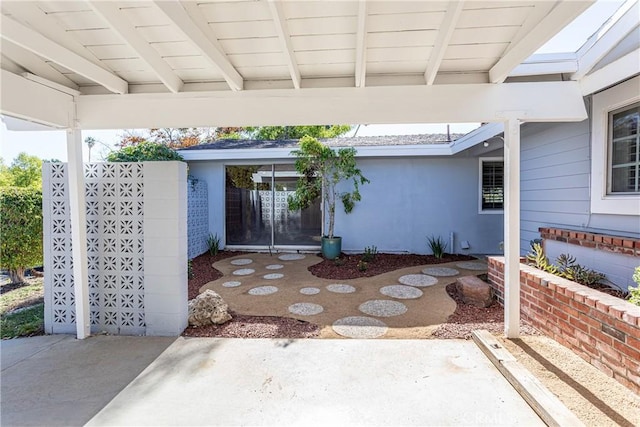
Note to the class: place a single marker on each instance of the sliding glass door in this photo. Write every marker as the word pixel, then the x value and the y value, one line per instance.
pixel 257 212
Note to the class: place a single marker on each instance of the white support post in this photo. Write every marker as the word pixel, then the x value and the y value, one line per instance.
pixel 512 228
pixel 77 207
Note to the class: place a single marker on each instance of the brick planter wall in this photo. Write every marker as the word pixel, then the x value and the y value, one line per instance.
pixel 602 329
pixel 604 242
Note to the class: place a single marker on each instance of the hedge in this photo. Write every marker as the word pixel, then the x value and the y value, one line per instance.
pixel 144 152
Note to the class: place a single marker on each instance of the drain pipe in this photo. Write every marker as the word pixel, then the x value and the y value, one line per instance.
pixel 451 242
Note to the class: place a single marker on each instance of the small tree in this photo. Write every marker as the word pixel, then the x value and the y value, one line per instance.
pixel 21 230
pixel 144 152
pixel 322 169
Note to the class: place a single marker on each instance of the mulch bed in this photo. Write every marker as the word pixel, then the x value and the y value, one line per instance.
pixel 346 266
pixel 202 272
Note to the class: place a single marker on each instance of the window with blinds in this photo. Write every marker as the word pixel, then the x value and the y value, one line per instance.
pixel 624 150
pixel 492 185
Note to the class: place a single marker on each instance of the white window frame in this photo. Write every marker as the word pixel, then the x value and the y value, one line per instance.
pixel 615 98
pixel 481 211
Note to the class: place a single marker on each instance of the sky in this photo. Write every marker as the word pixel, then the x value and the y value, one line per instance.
pixel 52 144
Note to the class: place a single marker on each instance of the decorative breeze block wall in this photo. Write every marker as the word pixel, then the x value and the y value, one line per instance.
pixel 197 217
pixel 125 246
pixel 600 328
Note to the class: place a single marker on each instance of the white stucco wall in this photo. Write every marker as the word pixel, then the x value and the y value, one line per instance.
pixel 407 200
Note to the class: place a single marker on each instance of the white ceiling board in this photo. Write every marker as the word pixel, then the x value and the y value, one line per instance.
pixel 400 67
pixel 183 48
pixel 137 77
pixel 161 34
pixel 258 60
pixel 145 16
pixel 324 70
pixel 95 37
pixel 329 25
pixel 236 12
pixel 493 50
pixel 405 22
pixel 326 56
pixel 242 30
pixel 471 64
pixel 398 54
pixel 9 65
pixel 484 35
pixel 315 9
pixel 270 72
pixel 202 74
pixel 402 38
pixel 511 16
pixel 379 7
pixel 63 6
pixel 323 42
pixel 254 45
pixel 188 62
pixel 79 20
pixel 113 51
pixel 118 65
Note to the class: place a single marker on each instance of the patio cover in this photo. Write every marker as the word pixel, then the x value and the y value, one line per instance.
pixel 142 64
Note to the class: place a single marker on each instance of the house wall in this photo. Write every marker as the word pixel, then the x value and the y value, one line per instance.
pixel 407 200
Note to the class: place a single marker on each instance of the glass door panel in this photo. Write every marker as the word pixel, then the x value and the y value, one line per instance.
pixel 248 202
pixel 292 228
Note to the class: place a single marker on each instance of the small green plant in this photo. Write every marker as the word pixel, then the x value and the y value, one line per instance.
pixel 634 292
pixel 213 243
pixel 189 270
pixel 363 265
pixel 339 262
pixel 370 253
pixel 566 267
pixel 538 259
pixel 437 246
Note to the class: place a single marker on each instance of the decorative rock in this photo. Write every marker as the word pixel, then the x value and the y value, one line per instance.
pixel 418 280
pixel 309 291
pixel 383 308
pixel 273 276
pixel 474 291
pixel 401 292
pixel 291 257
pixel 341 289
pixel 231 284
pixel 241 261
pixel 274 266
pixel 471 265
pixel 244 272
pixel 263 290
pixel 360 327
pixel 441 271
pixel 208 308
pixel 305 309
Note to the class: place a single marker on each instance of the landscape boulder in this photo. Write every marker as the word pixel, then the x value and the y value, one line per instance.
pixel 208 308
pixel 474 291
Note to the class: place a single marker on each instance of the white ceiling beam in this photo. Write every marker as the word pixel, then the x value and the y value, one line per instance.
pixel 361 44
pixel 462 103
pixel 110 13
pixel 191 23
pixel 622 23
pixel 34 64
pixel 277 12
pixel 42 46
pixel 447 27
pixel 619 70
pixel 558 18
pixel 28 100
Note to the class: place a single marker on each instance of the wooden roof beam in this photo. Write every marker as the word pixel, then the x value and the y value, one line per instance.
pixel 361 44
pixel 558 18
pixel 285 39
pixel 112 15
pixel 442 41
pixel 42 46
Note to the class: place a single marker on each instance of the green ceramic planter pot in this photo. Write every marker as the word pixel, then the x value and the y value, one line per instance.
pixel 331 247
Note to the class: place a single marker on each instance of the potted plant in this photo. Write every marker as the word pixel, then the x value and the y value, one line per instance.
pixel 321 169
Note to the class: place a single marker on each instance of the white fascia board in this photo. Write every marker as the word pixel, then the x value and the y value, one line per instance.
pixel 549 63
pixel 476 136
pixel 619 70
pixel 460 103
pixel 34 102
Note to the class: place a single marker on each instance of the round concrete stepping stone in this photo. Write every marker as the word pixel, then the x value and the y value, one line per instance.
pixel 244 272
pixel 291 257
pixel 241 261
pixel 340 288
pixel 305 309
pixel 273 276
pixel 231 284
pixel 383 308
pixel 418 280
pixel 274 266
pixel 360 327
pixel 471 265
pixel 263 290
pixel 441 271
pixel 309 291
pixel 401 292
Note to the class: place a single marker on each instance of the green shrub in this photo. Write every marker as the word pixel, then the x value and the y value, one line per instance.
pixel 21 230
pixel 363 265
pixel 144 152
pixel 437 246
pixel 566 267
pixel 539 260
pixel 213 243
pixel 370 253
pixel 634 292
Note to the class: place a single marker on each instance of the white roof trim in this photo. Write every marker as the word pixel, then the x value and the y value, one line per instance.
pixel 611 74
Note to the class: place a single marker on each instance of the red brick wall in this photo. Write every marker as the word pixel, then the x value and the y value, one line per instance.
pixel 602 329
pixel 618 244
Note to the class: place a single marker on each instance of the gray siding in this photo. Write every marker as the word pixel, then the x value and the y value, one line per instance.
pixel 555 183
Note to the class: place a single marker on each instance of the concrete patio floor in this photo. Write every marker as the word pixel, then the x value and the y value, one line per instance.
pixel 57 380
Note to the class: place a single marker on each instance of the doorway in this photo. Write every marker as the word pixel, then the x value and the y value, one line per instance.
pixel 257 212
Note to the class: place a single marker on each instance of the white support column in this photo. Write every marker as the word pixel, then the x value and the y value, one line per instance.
pixel 512 227
pixel 77 208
